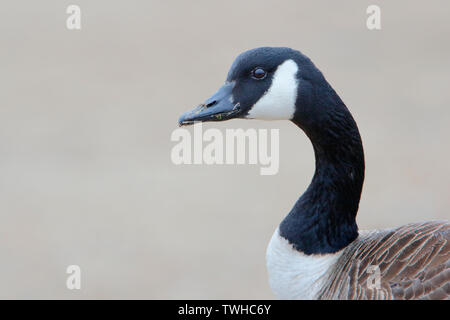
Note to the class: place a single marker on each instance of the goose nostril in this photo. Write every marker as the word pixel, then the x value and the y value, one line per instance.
pixel 207 105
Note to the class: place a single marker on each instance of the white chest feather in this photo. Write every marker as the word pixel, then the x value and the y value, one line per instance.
pixel 294 275
pixel 278 103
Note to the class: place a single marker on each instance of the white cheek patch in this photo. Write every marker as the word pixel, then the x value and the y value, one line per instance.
pixel 278 103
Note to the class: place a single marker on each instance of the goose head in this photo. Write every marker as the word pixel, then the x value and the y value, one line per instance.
pixel 268 83
pixel 283 84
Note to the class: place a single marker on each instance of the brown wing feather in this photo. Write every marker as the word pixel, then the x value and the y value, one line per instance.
pixel 410 262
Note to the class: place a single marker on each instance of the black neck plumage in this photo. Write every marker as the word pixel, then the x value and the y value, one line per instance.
pixel 323 220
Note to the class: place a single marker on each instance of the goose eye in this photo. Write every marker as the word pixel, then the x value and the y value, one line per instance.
pixel 259 73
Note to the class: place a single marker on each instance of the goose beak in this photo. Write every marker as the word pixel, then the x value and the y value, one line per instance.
pixel 219 107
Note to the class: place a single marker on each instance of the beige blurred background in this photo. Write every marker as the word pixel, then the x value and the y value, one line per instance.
pixel 86 118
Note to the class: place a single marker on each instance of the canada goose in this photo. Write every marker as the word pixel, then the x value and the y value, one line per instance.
pixel 317 251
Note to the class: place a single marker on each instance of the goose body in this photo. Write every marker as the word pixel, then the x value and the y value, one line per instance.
pixel 412 262
pixel 317 251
